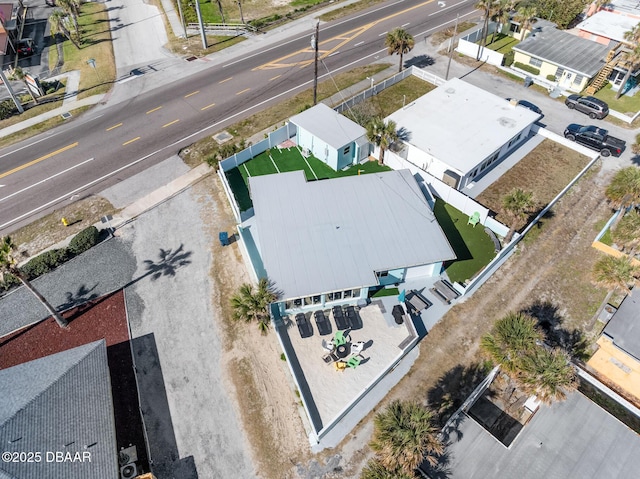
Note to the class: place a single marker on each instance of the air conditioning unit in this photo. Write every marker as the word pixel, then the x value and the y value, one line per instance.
pixel 128 471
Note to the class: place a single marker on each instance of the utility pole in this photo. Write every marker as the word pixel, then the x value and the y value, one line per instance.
pixel 314 44
pixel 10 91
pixel 455 32
pixel 203 34
pixel 241 15
pixel 184 27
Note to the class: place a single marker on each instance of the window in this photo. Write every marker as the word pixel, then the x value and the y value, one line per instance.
pixel 308 301
pixel 355 293
pixel 288 304
pixel 382 274
pixel 514 27
pixel 297 302
pixel 535 62
pixel 346 294
pixel 317 299
pixel 559 73
pixel 578 79
pixel 337 295
pixel 347 149
pixel 513 140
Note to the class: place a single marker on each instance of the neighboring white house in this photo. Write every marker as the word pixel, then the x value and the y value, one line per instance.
pixel 328 242
pixel 331 137
pixel 459 132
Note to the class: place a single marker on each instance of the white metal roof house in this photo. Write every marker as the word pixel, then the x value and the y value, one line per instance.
pixel 60 404
pixel 572 60
pixel 459 132
pixel 331 137
pixel 329 241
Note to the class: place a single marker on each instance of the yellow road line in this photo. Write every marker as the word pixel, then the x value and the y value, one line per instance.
pixel 192 93
pixel 38 160
pixel 114 127
pixel 155 109
pixel 277 76
pixel 243 91
pixel 208 106
pixel 225 80
pixel 131 141
pixel 170 123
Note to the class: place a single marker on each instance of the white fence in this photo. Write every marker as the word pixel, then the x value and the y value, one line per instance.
pixel 486 54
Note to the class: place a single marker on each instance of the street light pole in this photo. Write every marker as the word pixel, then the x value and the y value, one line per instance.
pixel 241 15
pixel 455 32
pixel 202 32
pixel 13 96
pixel 184 27
pixel 315 40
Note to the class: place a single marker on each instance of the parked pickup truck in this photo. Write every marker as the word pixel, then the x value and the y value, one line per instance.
pixel 595 138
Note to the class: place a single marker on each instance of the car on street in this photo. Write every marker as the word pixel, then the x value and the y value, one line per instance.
pixel 595 138
pixel 588 105
pixel 527 104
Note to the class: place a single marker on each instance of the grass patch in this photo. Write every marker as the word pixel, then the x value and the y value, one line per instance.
pixel 503 43
pixel 443 35
pixel 269 117
pixel 547 169
pixel 624 104
pixel 287 160
pixel 381 293
pixel 95 43
pixel 348 10
pixel 606 237
pixel 402 93
pixel 472 246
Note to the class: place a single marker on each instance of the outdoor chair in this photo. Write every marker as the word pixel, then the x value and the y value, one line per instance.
pixel 357 348
pixel 340 365
pixel 474 219
pixel 339 339
pixel 328 345
pixel 354 361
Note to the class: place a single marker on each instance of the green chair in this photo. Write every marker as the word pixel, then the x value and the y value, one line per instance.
pixel 474 219
pixel 354 361
pixel 339 339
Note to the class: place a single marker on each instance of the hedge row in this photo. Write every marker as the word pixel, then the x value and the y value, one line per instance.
pixel 45 262
pixel 527 68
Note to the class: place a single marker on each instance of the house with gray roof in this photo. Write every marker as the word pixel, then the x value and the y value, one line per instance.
pixel 572 439
pixel 572 60
pixel 331 137
pixel 328 242
pixel 59 406
pixel 459 132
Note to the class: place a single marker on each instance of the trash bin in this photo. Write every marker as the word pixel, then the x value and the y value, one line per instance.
pixel 224 238
pixel 528 81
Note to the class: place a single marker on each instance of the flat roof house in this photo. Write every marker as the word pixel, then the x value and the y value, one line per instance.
pixel 330 241
pixel 459 132
pixel 61 405
pixel 330 136
pixel 618 354
pixel 572 60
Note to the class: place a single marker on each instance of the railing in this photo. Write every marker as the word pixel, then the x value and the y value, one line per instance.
pixel 232 27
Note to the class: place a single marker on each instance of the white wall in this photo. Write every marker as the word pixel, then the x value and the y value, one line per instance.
pixel 471 50
pixel 423 271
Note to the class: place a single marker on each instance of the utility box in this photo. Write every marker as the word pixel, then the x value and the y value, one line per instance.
pixel 224 238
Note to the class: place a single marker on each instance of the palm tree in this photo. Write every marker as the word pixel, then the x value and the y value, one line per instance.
pixel 632 62
pixel 70 10
pixel 399 41
pixel 624 189
pixel 501 15
pixel 510 339
pixel 627 231
pixel 382 134
pixel 404 436
pixel 19 74
pixel 525 15
pixel 487 7
pixel 9 264
pixel 375 470
pixel 615 273
pixel 249 304
pixel 517 204
pixel 548 374
pixel 59 21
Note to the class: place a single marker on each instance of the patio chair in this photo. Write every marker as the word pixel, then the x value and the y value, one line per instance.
pixel 357 348
pixel 339 339
pixel 474 219
pixel 354 361
pixel 340 365
pixel 328 345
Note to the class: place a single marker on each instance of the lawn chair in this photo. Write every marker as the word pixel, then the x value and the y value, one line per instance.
pixel 339 339
pixel 474 219
pixel 340 365
pixel 357 348
pixel 328 345
pixel 354 361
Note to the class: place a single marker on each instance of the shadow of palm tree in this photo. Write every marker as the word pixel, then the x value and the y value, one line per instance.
pixel 80 297
pixel 169 262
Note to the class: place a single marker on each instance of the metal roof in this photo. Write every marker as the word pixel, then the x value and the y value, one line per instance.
pixel 624 327
pixel 566 50
pixel 461 124
pixel 329 126
pixel 609 25
pixel 60 403
pixel 330 235
pixel 573 439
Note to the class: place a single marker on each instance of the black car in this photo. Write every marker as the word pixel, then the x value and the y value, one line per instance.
pixel 25 47
pixel 595 138
pixel 588 105
pixel 528 105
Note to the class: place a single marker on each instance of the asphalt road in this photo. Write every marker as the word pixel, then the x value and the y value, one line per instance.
pixel 109 144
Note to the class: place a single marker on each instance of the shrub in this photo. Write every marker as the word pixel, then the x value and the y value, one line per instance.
pixel 87 238
pixel 551 77
pixel 44 263
pixel 527 68
pixel 635 148
pixel 7 109
pixel 508 58
pixel 9 282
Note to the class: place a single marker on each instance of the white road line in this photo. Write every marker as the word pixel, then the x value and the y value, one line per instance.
pixel 447 8
pixel 405 24
pixel 334 53
pixel 383 34
pixel 358 44
pixel 474 12
pixel 45 180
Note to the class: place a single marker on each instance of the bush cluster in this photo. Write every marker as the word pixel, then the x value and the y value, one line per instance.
pixel 225 151
pixel 507 60
pixel 49 260
pixel 527 68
